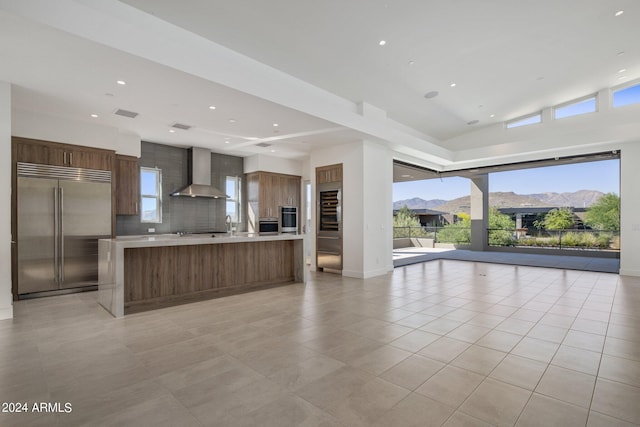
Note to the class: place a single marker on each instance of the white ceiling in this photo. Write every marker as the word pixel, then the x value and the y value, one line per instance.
pixel 507 58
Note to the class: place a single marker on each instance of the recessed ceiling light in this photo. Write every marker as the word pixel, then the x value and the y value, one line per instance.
pixel 622 70
pixel 95 116
pixel 492 115
pixel 382 42
pixel 620 12
pixel 412 62
pixel 212 107
pixel 623 77
pixel 453 85
pixel 172 130
pixel 273 151
pixel 275 125
pixel 227 142
pixel 431 94
pixel 232 120
pixel 620 53
pixel 121 82
pixel 405 176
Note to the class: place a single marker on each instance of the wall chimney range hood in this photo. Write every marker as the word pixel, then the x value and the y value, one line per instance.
pixel 200 176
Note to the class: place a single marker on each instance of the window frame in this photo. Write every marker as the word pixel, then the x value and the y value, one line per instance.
pixel 157 196
pixel 593 96
pixel 513 123
pixel 623 87
pixel 237 200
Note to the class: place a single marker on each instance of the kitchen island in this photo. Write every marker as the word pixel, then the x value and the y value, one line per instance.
pixel 138 273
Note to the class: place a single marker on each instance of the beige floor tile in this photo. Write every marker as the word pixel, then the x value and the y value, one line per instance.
pixel 350 351
pixel 577 359
pixel 528 315
pixel 414 340
pixel 460 419
pixel 299 374
pixel 479 359
pixel 450 385
pixel 535 349
pixel 468 333
pixel 444 349
pixel 416 320
pixel 543 411
pixel 289 410
pixel 496 402
pixel 622 348
pixel 567 385
pixel 584 340
pixel 332 389
pixel 412 371
pixel 487 319
pixel 499 340
pixel 617 400
pixel 590 326
pixel 415 411
pixel 621 370
pixel 441 326
pixel 515 326
pixel 519 371
pixel 381 359
pixel 367 404
pixel 547 333
pixel 597 419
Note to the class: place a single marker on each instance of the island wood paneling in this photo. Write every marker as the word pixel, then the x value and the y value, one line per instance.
pixel 175 274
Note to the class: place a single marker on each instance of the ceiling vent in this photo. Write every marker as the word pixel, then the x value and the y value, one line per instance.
pixel 181 126
pixel 263 144
pixel 126 113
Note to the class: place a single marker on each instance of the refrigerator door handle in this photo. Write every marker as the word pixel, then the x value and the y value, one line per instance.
pixel 61 235
pixel 56 234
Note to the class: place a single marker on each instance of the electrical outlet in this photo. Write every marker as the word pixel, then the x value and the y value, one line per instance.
pixel 151 230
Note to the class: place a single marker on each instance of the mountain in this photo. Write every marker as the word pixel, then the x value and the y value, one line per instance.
pixel 577 199
pixel 418 203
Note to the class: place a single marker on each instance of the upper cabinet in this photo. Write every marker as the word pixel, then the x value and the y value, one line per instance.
pixel 52 153
pixel 266 192
pixel 127 177
pixel 331 173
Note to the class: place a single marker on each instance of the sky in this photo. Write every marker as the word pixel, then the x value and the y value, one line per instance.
pixel 602 176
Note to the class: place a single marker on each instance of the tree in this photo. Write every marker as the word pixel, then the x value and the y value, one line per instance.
pixel 605 213
pixel 501 228
pixel 559 219
pixel 460 232
pixel 404 221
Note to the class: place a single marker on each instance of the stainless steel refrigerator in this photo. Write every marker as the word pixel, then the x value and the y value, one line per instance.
pixel 61 214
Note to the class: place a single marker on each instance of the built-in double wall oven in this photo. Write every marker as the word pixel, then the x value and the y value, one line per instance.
pixel 329 243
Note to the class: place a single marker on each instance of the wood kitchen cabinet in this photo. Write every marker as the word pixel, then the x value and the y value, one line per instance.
pixel 330 173
pixel 267 191
pixel 56 154
pixel 127 177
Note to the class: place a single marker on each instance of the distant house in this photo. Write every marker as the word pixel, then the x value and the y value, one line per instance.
pixel 525 216
pixel 429 217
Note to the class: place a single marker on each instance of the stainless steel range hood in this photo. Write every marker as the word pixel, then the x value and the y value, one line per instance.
pixel 200 176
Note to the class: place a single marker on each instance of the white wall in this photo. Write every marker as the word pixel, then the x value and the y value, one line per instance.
pixel 6 307
pixel 29 124
pixel 367 206
pixel 629 210
pixel 260 162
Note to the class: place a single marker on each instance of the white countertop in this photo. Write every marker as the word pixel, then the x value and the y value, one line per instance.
pixel 197 239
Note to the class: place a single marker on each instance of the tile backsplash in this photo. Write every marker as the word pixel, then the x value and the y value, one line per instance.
pixel 183 213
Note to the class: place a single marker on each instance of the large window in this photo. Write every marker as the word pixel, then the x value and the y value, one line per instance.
pixel 151 194
pixel 233 190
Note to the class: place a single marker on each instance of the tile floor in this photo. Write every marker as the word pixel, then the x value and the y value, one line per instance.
pixel 448 343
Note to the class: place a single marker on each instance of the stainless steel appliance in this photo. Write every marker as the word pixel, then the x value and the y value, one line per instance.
pixel 288 219
pixel 61 214
pixel 268 226
pixel 329 237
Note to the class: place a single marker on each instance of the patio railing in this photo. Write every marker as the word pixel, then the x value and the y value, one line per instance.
pixel 604 240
